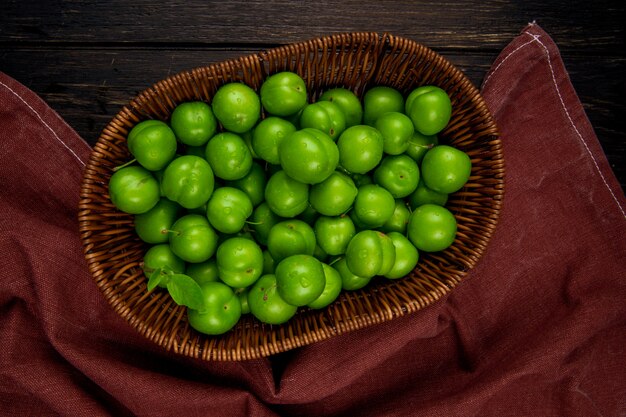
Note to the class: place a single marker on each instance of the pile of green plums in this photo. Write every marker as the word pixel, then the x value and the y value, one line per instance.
pixel 264 202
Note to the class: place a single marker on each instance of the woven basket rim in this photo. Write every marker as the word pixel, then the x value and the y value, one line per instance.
pixel 383 301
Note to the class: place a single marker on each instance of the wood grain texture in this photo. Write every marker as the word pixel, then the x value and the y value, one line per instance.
pixel 87 59
pixel 449 24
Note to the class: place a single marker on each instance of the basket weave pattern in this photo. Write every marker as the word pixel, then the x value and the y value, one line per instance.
pixel 354 60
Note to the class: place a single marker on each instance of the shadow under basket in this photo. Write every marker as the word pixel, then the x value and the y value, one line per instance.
pixel 357 61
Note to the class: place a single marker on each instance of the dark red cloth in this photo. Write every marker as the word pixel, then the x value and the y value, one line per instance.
pixel 537 328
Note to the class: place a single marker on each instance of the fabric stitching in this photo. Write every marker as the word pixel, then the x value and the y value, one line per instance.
pixel 44 122
pixel 580 137
pixel 536 38
pixel 504 60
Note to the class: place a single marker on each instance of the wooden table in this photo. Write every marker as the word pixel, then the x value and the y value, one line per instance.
pixel 87 59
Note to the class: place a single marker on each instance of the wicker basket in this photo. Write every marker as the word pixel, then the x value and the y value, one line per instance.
pixel 353 60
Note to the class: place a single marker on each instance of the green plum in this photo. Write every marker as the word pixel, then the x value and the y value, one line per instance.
pixel 193 123
pixel 446 169
pixel 432 228
pixel 134 190
pixel 222 310
pixel 189 181
pixel 237 107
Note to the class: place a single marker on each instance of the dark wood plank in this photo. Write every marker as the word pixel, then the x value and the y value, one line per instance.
pixel 438 23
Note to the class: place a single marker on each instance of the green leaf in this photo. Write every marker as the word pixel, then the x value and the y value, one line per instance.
pixel 185 291
pixel 155 279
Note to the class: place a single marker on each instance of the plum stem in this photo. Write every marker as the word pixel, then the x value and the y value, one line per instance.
pixel 132 161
